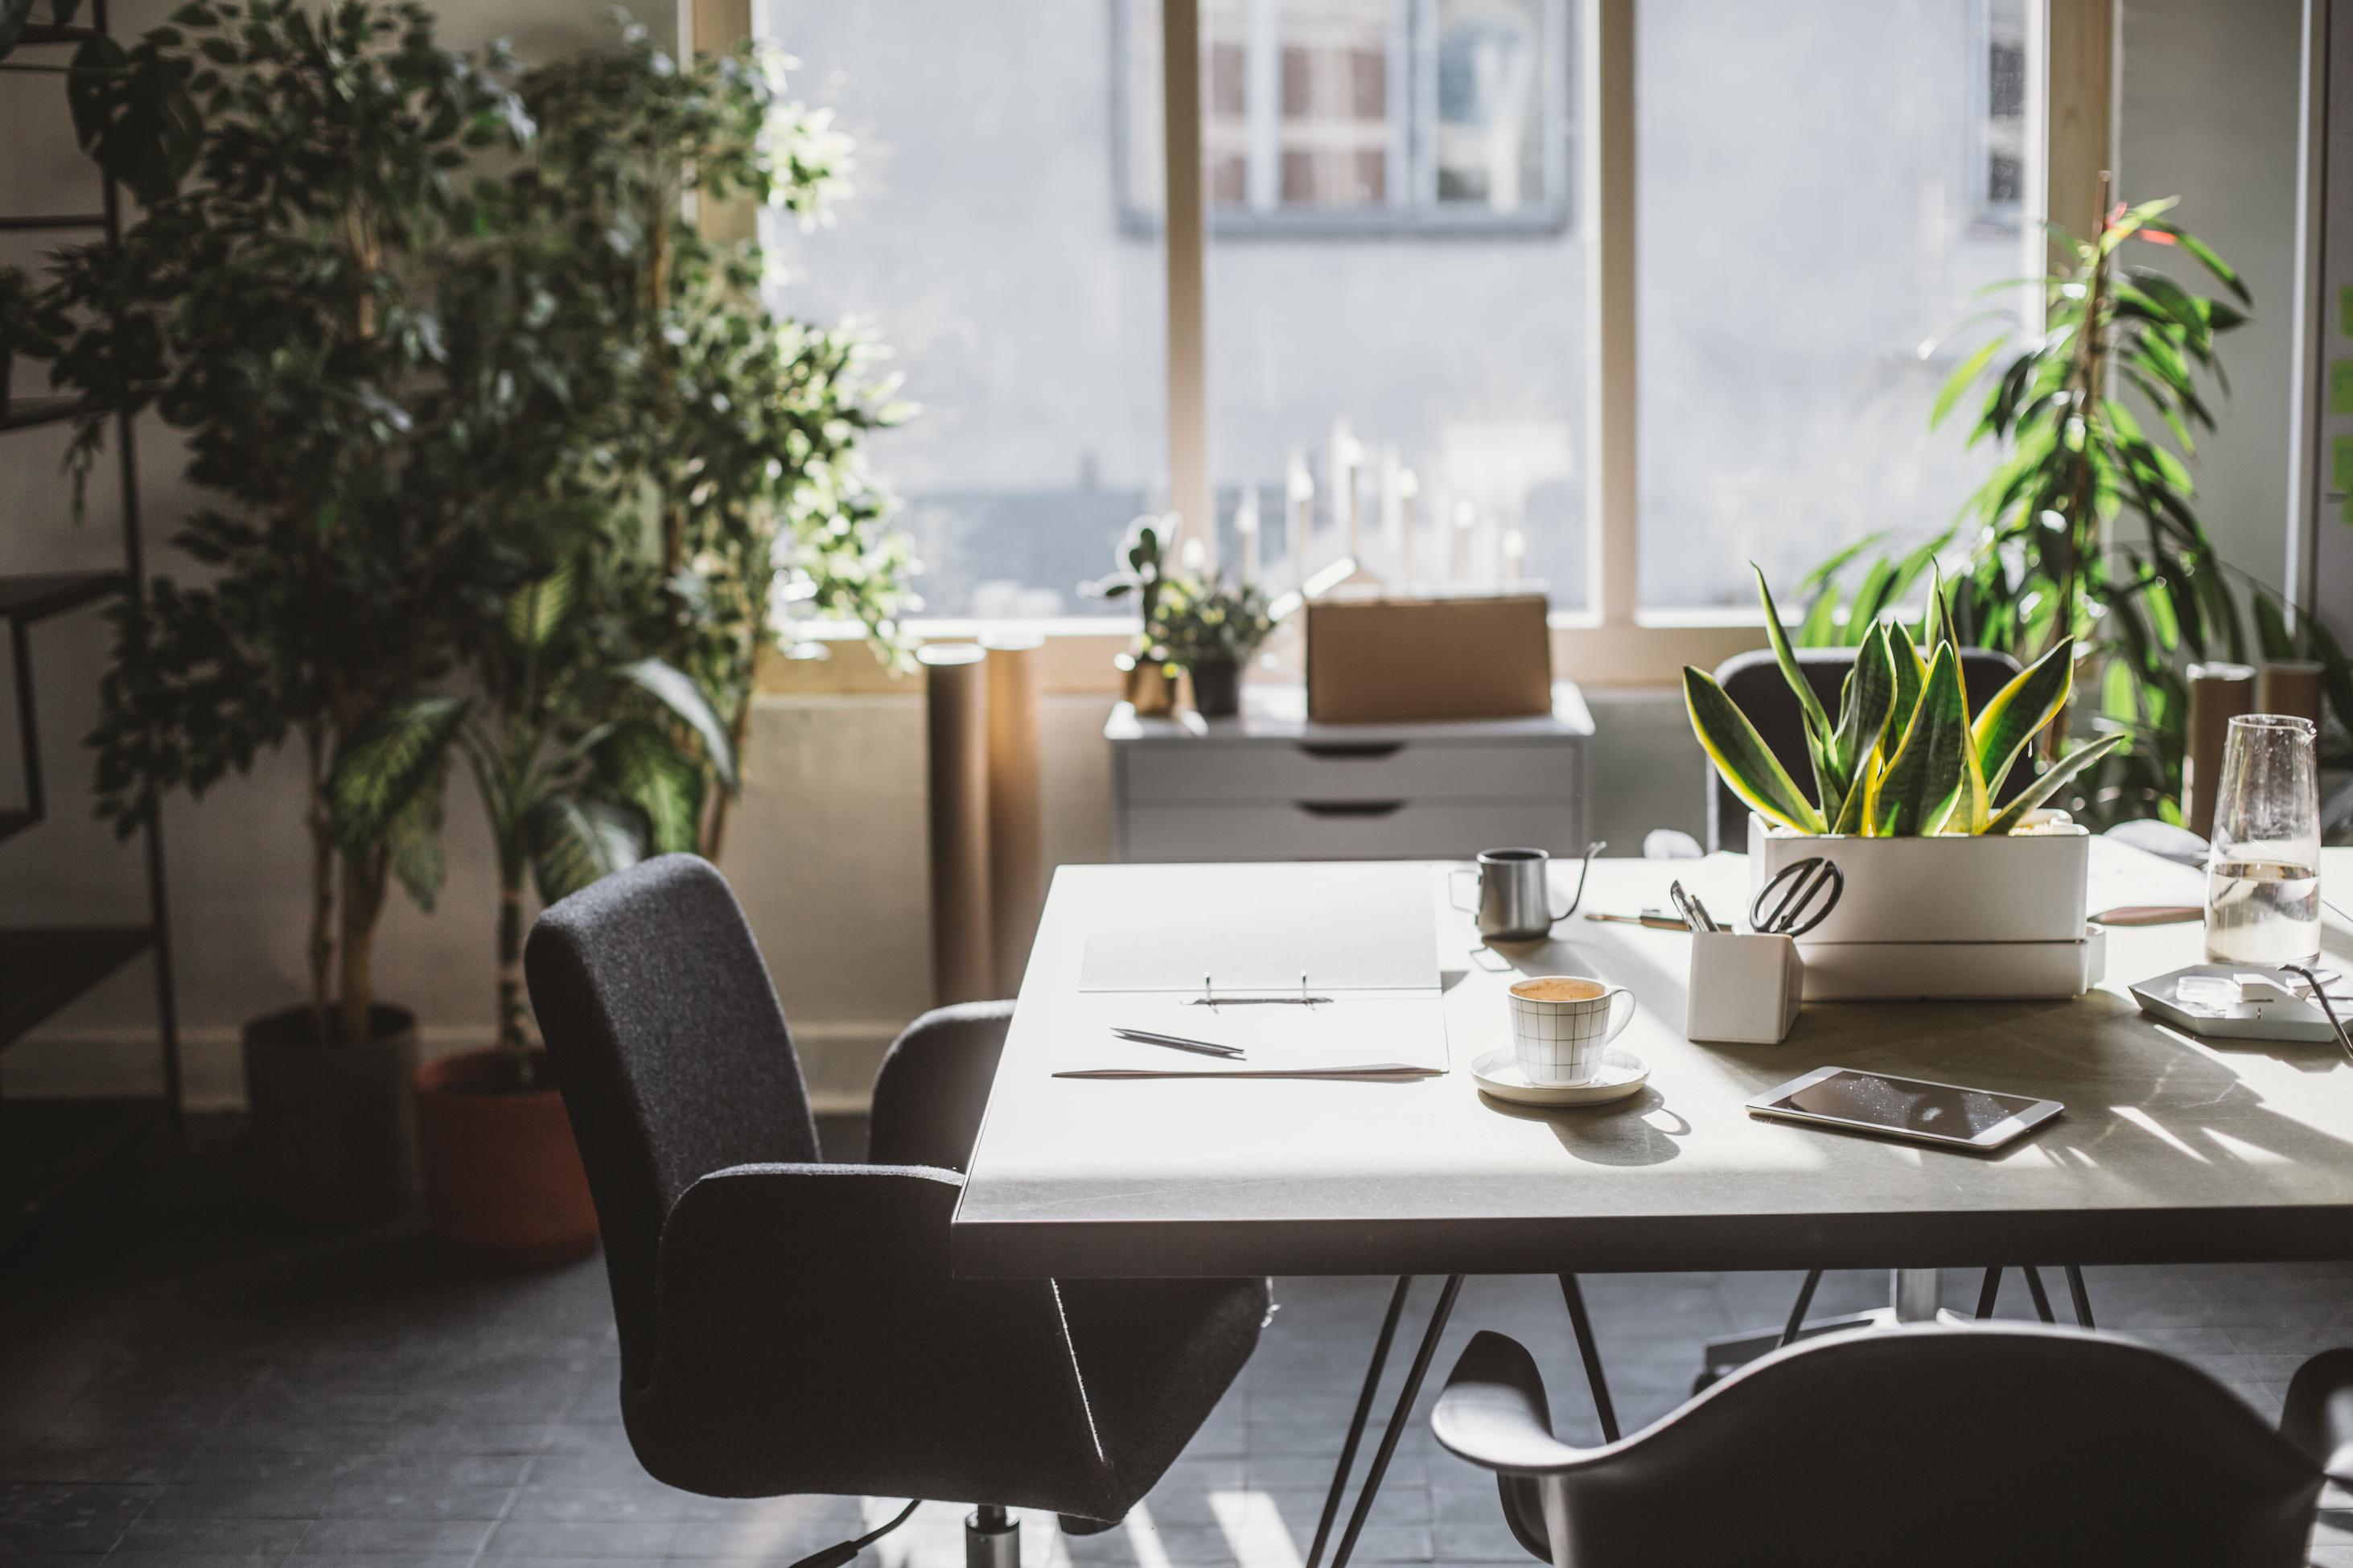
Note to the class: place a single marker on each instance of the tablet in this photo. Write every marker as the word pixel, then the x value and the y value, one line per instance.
pixel 1943 1114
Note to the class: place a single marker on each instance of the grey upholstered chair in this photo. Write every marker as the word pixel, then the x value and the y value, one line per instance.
pixel 1754 681
pixel 789 1325
pixel 1921 1445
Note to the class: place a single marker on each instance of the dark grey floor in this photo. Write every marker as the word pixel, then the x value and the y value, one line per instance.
pixel 182 1381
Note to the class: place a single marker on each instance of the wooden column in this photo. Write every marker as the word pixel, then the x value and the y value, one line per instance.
pixel 957 717
pixel 1016 805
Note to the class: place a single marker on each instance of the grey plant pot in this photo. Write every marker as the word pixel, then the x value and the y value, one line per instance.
pixel 332 1124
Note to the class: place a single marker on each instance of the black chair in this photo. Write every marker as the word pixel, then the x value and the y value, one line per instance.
pixel 1754 681
pixel 788 1325
pixel 1926 1446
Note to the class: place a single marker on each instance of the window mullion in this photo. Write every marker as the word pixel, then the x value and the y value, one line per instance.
pixel 1188 407
pixel 1608 184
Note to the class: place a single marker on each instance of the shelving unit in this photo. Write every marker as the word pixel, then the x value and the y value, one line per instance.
pixel 50 1147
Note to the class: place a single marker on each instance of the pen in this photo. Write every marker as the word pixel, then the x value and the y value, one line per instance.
pixel 1178 1042
pixel 1686 906
pixel 1706 920
pixel 1656 919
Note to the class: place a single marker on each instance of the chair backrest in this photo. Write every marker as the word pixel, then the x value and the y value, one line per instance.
pixel 1754 681
pixel 672 1054
pixel 1934 1445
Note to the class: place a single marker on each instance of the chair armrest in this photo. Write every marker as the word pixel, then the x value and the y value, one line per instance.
pixel 801 1299
pixel 1493 1413
pixel 2318 1417
pixel 932 1087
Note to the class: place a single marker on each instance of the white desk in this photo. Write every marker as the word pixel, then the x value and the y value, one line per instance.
pixel 1272 784
pixel 2171 1150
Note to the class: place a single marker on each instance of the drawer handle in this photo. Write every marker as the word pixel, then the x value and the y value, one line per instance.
pixel 1351 750
pixel 1349 808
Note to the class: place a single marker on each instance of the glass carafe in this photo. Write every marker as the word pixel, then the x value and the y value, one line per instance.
pixel 2262 869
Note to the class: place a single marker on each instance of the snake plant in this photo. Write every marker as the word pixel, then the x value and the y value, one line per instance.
pixel 1905 756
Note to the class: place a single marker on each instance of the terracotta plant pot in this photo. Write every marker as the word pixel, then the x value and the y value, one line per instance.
pixel 330 1123
pixel 503 1179
pixel 1149 689
pixel 1217 689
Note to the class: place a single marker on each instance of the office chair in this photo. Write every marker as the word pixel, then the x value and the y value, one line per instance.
pixel 1927 1446
pixel 1754 681
pixel 790 1325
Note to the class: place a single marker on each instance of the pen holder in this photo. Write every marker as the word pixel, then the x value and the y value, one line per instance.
pixel 1744 987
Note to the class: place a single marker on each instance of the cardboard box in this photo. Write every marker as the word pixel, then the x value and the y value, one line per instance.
pixel 1388 659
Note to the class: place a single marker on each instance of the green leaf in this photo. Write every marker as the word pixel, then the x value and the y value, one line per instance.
pixel 400 749
pixel 1911 674
pixel 1963 378
pixel 676 691
pixel 1923 781
pixel 2043 789
pixel 2018 712
pixel 1741 756
pixel 574 843
pixel 2271 630
pixel 535 611
pixel 133 114
pixel 2223 272
pixel 1829 779
pixel 651 774
pixel 412 839
pixel 1863 713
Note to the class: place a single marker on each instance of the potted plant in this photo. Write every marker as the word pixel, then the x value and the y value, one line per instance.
pixel 1144 667
pixel 276 315
pixel 1904 778
pixel 1210 630
pixel 2047 563
pixel 135 110
pixel 569 743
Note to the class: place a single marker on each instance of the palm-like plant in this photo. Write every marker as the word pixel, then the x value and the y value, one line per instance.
pixel 2051 561
pixel 570 746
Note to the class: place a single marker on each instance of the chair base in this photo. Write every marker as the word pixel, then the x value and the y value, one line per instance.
pixel 992 1538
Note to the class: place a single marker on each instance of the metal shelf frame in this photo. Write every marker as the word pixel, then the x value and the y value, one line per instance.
pixel 54 1146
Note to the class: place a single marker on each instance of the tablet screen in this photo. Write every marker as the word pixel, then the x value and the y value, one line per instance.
pixel 1906 1104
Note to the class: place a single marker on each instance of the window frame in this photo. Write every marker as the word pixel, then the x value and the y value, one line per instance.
pixel 1412 210
pixel 2071 111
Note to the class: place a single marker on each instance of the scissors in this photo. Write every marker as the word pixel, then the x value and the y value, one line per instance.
pixel 1808 888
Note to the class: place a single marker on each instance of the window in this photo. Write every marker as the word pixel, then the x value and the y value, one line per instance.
pixel 1362 116
pixel 983 244
pixel 1820 191
pixel 1609 296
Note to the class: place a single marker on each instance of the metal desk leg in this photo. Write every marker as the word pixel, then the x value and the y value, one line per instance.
pixel 1590 1353
pixel 1913 1294
pixel 2042 1298
pixel 1397 1418
pixel 1356 1424
pixel 2083 1296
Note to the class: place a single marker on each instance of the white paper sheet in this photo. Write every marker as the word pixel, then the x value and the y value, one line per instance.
pixel 1259 928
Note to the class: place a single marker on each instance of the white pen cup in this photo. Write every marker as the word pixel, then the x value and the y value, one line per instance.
pixel 1562 1024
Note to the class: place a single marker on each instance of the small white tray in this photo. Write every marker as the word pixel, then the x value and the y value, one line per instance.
pixel 1622 1074
pixel 2288 1021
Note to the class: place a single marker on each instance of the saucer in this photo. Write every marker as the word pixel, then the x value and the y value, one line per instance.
pixel 1622 1074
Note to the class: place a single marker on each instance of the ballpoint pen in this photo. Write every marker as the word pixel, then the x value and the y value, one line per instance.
pixel 1178 1042
pixel 1656 919
pixel 1688 906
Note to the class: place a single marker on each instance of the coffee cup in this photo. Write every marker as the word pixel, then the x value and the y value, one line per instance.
pixel 1562 1024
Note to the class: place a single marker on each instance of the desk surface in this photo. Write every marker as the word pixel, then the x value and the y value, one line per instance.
pixel 2172 1148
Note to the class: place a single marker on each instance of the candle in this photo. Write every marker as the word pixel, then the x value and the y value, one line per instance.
pixel 1246 533
pixel 1408 487
pixel 1515 549
pixel 1300 487
pixel 1466 524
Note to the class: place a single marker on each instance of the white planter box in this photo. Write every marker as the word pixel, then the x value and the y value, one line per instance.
pixel 2018 888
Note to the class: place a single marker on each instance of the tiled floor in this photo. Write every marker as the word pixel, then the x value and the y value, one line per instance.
pixel 183 1381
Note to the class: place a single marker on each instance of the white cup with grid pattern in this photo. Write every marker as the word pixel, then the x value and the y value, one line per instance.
pixel 1562 1024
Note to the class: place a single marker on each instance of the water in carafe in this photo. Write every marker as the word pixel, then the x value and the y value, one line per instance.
pixel 2262 912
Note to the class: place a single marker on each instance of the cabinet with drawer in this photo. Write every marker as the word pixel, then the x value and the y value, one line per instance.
pixel 1272 785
